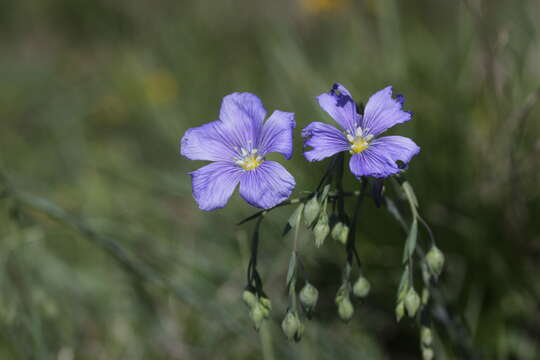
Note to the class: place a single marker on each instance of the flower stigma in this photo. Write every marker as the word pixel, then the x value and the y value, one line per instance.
pixel 358 142
pixel 249 160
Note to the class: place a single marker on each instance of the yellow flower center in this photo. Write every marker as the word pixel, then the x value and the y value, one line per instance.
pixel 358 141
pixel 358 145
pixel 249 160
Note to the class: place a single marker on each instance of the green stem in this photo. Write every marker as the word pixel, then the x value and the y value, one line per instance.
pixel 267 347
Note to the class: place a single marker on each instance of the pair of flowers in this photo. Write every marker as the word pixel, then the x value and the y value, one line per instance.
pixel 238 142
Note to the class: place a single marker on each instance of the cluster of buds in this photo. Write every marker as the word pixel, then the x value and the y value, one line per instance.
pixel 409 301
pixel 408 298
pixel 259 307
pixel 426 343
pixel 292 326
pixel 360 289
pixel 315 216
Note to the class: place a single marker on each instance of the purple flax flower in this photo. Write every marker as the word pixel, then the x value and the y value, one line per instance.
pixel 371 156
pixel 238 143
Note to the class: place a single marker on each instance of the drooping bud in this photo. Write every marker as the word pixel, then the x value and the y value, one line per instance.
pixel 340 232
pixel 257 316
pixel 290 325
pixel 311 210
pixel 412 302
pixel 321 230
pixel 426 336
pixel 435 260
pixel 336 230
pixel 427 354
pixel 266 305
pixel 345 308
pixel 361 287
pixel 400 311
pixel 309 296
pixel 249 298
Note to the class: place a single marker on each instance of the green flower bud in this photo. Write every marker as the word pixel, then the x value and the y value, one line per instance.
pixel 361 287
pixel 290 325
pixel 249 298
pixel 309 296
pixel 412 302
pixel 336 230
pixel 340 232
pixel 427 354
pixel 426 336
pixel 344 236
pixel 321 230
pixel 257 316
pixel 435 260
pixel 342 293
pixel 345 309
pixel 400 310
pixel 311 210
pixel 266 305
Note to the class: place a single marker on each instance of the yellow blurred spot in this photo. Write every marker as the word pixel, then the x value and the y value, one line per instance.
pixel 318 6
pixel 160 87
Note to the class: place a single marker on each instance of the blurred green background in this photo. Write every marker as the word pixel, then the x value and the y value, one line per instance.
pixel 103 251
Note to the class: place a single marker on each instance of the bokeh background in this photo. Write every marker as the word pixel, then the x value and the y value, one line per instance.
pixel 104 253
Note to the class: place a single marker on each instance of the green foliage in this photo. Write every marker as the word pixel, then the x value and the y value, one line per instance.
pixel 105 255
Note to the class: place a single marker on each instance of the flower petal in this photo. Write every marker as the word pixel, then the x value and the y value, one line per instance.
pixel 396 148
pixel 382 112
pixel 214 184
pixel 207 142
pixel 379 159
pixel 325 139
pixel 371 163
pixel 339 104
pixel 243 115
pixel 267 185
pixel 277 134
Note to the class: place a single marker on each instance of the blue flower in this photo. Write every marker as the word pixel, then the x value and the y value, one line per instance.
pixel 371 156
pixel 237 144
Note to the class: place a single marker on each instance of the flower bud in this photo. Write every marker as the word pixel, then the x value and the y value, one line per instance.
pixel 290 325
pixel 321 230
pixel 412 302
pixel 249 298
pixel 266 306
pixel 427 354
pixel 311 210
pixel 340 232
pixel 426 336
pixel 361 287
pixel 336 230
pixel 309 296
pixel 345 309
pixel 400 310
pixel 435 260
pixel 257 316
